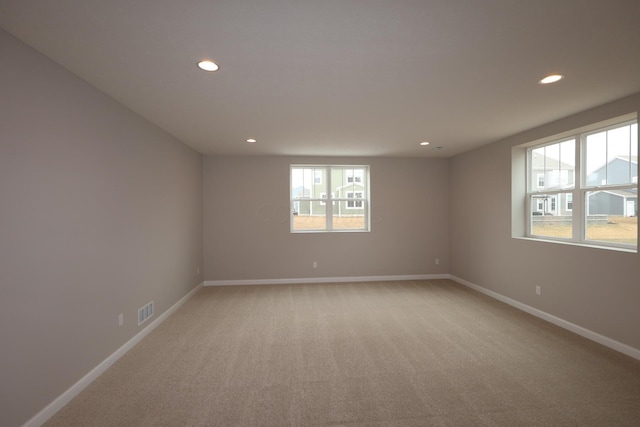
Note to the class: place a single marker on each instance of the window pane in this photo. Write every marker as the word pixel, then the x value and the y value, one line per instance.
pixel 568 163
pixel 619 150
pixel 537 168
pixel 319 183
pixel 553 166
pixel 596 159
pixel 309 215
pixel 552 169
pixel 612 216
pixel 550 216
pixel 612 156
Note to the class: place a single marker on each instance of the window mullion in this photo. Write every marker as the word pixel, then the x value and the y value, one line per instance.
pixel 329 204
pixel 578 215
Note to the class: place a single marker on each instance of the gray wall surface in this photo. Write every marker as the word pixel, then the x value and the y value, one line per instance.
pixel 100 213
pixel 594 288
pixel 246 205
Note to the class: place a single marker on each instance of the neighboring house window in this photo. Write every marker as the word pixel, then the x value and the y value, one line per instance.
pixel 324 196
pixel 354 204
pixel 329 198
pixel 591 194
pixel 354 176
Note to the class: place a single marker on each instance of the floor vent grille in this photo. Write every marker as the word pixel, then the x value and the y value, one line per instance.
pixel 145 312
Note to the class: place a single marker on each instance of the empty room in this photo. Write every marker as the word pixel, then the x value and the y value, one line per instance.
pixel 340 212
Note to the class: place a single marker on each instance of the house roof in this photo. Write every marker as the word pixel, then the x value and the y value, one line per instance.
pixel 540 162
pixel 341 77
pixel 632 159
pixel 621 193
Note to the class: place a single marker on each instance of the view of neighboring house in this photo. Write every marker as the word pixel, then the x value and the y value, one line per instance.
pixel 547 172
pixel 621 170
pixel 347 186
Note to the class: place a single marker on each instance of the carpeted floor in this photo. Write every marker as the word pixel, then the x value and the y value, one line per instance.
pixel 411 353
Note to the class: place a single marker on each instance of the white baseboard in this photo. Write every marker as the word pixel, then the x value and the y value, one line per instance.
pixel 324 280
pixel 51 409
pixel 586 333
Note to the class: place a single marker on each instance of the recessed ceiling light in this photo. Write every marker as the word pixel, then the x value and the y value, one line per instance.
pixel 252 141
pixel 208 65
pixel 424 143
pixel 551 79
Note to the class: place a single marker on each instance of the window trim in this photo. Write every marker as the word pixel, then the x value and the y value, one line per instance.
pixel 331 202
pixel 578 191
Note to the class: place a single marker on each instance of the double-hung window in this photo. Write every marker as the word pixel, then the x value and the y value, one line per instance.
pixel 583 187
pixel 329 198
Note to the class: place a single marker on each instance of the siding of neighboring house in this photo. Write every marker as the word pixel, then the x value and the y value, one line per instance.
pixel 623 203
pixel 621 170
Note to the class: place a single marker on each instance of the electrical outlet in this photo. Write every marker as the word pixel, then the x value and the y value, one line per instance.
pixel 315 264
pixel 437 261
pixel 537 290
pixel 120 319
pixel 197 270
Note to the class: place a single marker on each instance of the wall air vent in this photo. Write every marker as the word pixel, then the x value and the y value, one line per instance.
pixel 144 313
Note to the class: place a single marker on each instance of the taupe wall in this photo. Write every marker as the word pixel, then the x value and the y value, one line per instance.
pixel 246 206
pixel 593 288
pixel 100 213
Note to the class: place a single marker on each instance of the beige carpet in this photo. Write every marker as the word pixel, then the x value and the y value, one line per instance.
pixel 412 353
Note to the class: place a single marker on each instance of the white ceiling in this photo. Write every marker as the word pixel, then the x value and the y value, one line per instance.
pixel 341 77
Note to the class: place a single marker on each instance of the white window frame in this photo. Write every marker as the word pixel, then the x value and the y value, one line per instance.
pixel 579 190
pixel 330 201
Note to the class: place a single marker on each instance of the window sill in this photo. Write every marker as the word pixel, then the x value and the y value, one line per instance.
pixel 583 245
pixel 327 231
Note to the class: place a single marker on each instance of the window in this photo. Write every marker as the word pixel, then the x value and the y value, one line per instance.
pixel 329 198
pixel 584 188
